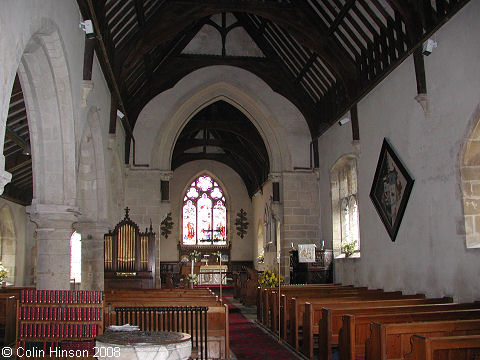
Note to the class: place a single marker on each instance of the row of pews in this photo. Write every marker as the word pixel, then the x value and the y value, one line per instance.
pixel 198 312
pixel 318 320
pixel 245 285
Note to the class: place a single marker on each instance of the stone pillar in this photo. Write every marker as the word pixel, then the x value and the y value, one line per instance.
pixel 92 254
pixel 166 208
pixel 54 229
pixel 277 210
pixel 5 176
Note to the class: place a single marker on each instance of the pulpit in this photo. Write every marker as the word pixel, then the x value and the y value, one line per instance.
pixel 129 256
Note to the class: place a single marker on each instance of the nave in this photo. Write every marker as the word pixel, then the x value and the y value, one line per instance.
pixel 317 321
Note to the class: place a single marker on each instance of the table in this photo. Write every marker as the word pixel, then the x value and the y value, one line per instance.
pixel 143 345
pixel 210 275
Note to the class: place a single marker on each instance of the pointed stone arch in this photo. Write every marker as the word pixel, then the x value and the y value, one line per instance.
pixel 470 183
pixel 43 73
pixel 117 190
pixel 266 125
pixel 91 186
pixel 8 242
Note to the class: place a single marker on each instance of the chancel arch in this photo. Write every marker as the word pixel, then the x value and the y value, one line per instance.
pixel 242 90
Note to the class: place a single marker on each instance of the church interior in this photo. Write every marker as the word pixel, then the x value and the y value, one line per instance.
pixel 242 154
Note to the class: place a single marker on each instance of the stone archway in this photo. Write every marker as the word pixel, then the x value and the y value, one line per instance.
pixel 470 184
pixel 91 185
pixel 45 80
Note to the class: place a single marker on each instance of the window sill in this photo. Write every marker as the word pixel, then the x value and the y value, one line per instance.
pixel 353 256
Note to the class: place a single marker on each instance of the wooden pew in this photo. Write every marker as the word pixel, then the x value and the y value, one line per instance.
pixel 392 341
pixel 262 295
pixel 270 301
pixel 286 306
pixel 8 312
pixel 136 302
pixel 331 321
pixel 297 309
pixel 326 321
pixel 356 329
pixel 465 347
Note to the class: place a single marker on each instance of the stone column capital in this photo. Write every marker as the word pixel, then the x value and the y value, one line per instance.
pixel 52 215
pixel 94 228
pixel 275 176
pixel 166 175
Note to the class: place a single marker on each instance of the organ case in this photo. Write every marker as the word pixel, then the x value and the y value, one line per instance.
pixel 129 256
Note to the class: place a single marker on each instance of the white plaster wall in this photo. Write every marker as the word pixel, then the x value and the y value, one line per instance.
pixel 429 254
pixel 281 122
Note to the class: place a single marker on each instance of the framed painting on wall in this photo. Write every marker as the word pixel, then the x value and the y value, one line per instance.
pixel 391 188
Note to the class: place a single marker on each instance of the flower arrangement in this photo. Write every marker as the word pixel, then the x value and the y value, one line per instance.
pixel 349 247
pixel 3 272
pixel 269 279
pixel 189 277
pixel 261 259
pixel 195 255
pixel 218 254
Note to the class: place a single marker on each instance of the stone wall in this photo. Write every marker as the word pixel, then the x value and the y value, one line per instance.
pixel 429 254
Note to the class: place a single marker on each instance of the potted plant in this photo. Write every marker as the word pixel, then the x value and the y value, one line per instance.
pixel 189 280
pixel 3 275
pixel 269 279
pixel 349 248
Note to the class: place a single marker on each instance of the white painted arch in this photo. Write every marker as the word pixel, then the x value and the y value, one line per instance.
pixel 44 76
pixel 278 154
pixel 281 125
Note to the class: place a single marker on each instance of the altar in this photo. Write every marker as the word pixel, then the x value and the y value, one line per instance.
pixel 211 274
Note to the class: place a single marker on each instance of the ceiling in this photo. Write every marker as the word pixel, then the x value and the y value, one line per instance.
pixel 223 133
pixel 322 55
pixel 16 150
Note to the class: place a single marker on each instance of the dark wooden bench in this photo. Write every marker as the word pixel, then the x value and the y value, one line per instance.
pixel 290 291
pixel 465 347
pixel 331 321
pixel 8 312
pixel 137 307
pixel 392 341
pixel 356 329
pixel 326 321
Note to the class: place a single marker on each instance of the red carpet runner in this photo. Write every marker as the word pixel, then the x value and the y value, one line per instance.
pixel 249 342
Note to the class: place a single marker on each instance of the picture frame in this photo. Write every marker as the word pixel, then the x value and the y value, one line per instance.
pixel 391 188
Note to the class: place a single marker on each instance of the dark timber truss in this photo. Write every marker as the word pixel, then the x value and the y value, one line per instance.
pixel 322 55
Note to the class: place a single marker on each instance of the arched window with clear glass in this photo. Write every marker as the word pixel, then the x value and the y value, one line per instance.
pixel 204 213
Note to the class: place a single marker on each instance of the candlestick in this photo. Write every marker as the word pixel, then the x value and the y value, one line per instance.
pixel 192 268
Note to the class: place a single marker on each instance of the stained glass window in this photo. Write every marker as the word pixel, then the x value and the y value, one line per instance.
pixel 204 213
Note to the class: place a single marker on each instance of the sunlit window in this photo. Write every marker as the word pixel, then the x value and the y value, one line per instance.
pixel 346 231
pixel 76 257
pixel 204 213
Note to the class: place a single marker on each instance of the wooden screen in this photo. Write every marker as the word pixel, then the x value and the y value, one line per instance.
pixel 129 256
